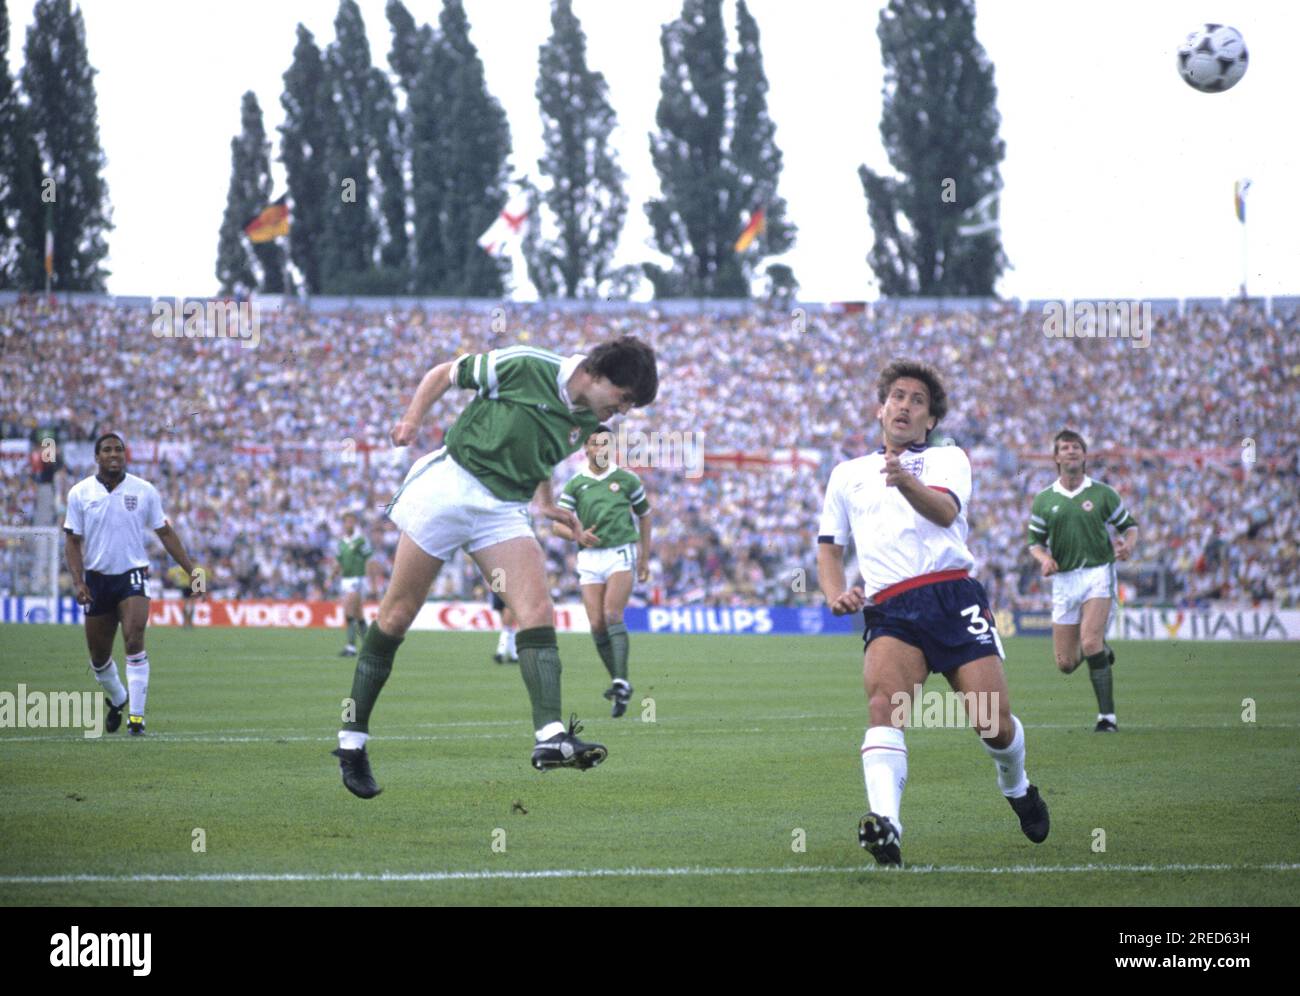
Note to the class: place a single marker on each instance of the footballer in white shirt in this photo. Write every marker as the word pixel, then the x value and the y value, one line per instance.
pixel 104 543
pixel 904 507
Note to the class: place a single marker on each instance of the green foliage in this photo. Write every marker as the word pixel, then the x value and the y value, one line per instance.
pixel 716 156
pixel 241 266
pixel 939 126
pixel 585 201
pixel 22 216
pixel 304 141
pixel 61 118
pixel 459 145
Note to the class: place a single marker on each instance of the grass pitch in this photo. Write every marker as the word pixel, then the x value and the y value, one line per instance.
pixel 753 752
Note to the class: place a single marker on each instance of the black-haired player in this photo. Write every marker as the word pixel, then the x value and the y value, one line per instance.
pixel 108 514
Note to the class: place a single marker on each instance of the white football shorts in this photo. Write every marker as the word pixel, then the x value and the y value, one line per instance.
pixel 596 564
pixel 349 585
pixel 1072 588
pixel 445 508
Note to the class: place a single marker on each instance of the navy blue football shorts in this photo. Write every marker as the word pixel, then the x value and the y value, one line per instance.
pixel 107 590
pixel 949 621
pixel 498 602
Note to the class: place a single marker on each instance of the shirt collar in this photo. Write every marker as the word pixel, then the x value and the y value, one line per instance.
pixel 586 471
pixel 912 448
pixel 567 368
pixel 1059 488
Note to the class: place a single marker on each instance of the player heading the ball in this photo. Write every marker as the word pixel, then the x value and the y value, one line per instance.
pixel 905 508
pixel 531 409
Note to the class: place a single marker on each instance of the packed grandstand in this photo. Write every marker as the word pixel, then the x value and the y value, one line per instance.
pixel 259 448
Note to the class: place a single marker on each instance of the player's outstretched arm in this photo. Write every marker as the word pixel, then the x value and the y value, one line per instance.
pixel 435 383
pixel 830 576
pixel 937 506
pixel 171 542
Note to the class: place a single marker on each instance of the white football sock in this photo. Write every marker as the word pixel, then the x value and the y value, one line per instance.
pixel 548 731
pixel 137 680
pixel 503 643
pixel 884 769
pixel 352 739
pixel 108 680
pixel 1010 761
pixel 511 649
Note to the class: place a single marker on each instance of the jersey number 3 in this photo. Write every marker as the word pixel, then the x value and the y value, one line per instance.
pixel 979 626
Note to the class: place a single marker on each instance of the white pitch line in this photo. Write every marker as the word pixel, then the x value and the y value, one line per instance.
pixel 581 873
pixel 186 738
pixel 220 737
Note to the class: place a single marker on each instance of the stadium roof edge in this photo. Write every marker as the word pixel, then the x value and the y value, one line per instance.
pixel 678 306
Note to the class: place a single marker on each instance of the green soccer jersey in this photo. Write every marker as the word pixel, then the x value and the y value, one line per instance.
pixel 606 503
pixel 521 422
pixel 353 553
pixel 1072 525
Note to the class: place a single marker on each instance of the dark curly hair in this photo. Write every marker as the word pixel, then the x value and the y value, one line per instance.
pixel 917 370
pixel 108 435
pixel 626 362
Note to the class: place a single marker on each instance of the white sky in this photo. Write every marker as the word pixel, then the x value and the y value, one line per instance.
pixel 1118 176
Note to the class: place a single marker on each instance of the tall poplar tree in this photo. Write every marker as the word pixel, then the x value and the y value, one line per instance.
pixel 939 125
pixel 717 158
pixel 585 201
pixel 242 266
pixel 59 84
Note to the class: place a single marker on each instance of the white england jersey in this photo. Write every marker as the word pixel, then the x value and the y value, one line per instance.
pixel 896 543
pixel 112 523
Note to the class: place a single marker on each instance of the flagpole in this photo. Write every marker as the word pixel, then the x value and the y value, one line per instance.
pixel 49 249
pixel 1244 268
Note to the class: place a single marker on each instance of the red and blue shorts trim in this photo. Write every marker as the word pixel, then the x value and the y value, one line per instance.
pixel 945 615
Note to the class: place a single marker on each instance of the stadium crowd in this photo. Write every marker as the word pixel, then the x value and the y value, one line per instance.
pixel 266 447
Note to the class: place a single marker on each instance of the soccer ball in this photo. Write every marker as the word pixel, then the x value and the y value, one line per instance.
pixel 1213 59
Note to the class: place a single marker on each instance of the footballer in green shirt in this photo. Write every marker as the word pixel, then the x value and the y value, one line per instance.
pixel 1069 538
pixel 611 504
pixel 530 409
pixel 354 550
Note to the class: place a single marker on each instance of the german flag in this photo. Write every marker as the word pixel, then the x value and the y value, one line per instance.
pixel 271 223
pixel 752 230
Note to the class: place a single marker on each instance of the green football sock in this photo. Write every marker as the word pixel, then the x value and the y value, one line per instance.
pixel 361 627
pixel 352 626
pixel 539 663
pixel 374 665
pixel 618 640
pixel 605 649
pixel 1099 673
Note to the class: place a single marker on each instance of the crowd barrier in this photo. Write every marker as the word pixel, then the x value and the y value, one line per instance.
pixel 1127 623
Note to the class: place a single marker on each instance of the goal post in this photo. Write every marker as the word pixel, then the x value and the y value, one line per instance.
pixel 30 558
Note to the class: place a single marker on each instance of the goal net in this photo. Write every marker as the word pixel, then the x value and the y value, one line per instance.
pixel 29 561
